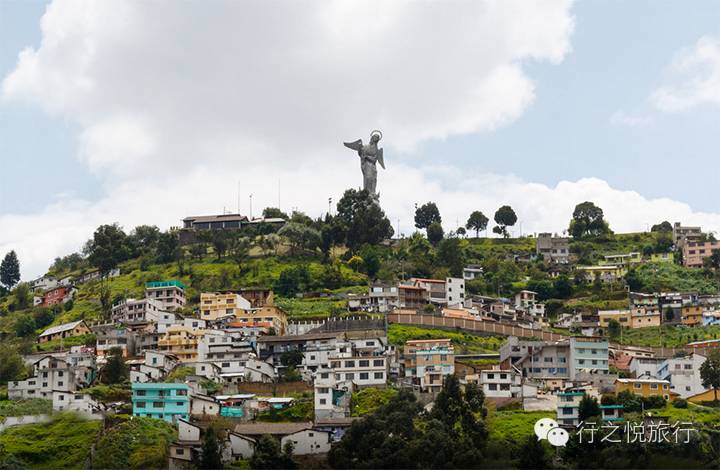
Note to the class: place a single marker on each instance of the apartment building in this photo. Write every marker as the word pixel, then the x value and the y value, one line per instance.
pixel 553 249
pixel 427 362
pixel 332 396
pixel 228 351
pixel 633 318
pixel 271 348
pixel 526 300
pixel 683 373
pixel 170 294
pixel 58 295
pixel 645 366
pixel 156 366
pixel 588 354
pixel 166 401
pixel 412 297
pixel 645 387
pixel 449 291
pixel 111 338
pixel 130 311
pixel 499 383
pixel 695 251
pixel 182 342
pixel 383 298
pixel 692 315
pixel 214 305
pixel 66 330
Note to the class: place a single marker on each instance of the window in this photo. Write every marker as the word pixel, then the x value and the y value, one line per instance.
pixel 61 397
pixel 157 404
pixel 180 451
pixel 226 364
pixel 369 343
pixel 323 390
pixel 654 386
pixel 491 376
pixel 503 376
pixel 180 403
pixel 561 359
pixel 379 375
pixel 349 363
pixel 364 376
pixel 140 404
pixel 492 386
pixel 324 375
pixel 378 362
pixel 567 411
pixel 547 359
pixel 349 376
pixel 323 401
pixel 364 363
pixel 60 384
pixel 637 386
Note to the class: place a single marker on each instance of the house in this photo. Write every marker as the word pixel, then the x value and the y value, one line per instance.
pixel 183 451
pixel 695 251
pixel 472 271
pixel 43 283
pixel 111 338
pixel 66 330
pixel 215 222
pixel 633 318
pixel 50 375
pixel 683 373
pixel 427 362
pixel 233 406
pixel 383 298
pixel 277 430
pixel 588 354
pixel 645 387
pixel 170 294
pixel 229 351
pixel 644 366
pixel 214 305
pixel 271 348
pixel 182 342
pixel 157 365
pixel 498 383
pixel 95 275
pixel 76 402
pixel 603 273
pixel 258 296
pixel 526 300
pixel 203 405
pixel 692 315
pixel 553 249
pixel 681 234
pixel 267 316
pixel 711 317
pixel 450 291
pixel 332 396
pixel 611 413
pixel 568 408
pixel 242 447
pixel 308 441
pixel 361 370
pixel 412 297
pixel 58 295
pixel 167 401
pixel 662 258
pixel 624 260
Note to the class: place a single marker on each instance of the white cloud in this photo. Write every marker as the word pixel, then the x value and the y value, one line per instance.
pixel 696 77
pixel 176 105
pixel 623 119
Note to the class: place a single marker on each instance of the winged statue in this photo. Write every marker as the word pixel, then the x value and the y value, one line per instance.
pixel 369 154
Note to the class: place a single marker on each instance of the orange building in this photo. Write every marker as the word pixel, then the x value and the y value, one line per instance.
pixel 645 387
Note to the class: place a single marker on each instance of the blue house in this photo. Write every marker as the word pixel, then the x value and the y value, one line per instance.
pixel 167 401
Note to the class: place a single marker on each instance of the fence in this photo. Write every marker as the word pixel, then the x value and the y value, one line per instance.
pixel 475 326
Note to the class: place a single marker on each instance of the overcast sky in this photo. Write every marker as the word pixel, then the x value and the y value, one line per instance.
pixel 147 111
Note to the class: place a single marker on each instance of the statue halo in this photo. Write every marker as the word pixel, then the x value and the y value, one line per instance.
pixel 378 133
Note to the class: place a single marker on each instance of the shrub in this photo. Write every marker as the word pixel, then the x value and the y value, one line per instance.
pixel 680 403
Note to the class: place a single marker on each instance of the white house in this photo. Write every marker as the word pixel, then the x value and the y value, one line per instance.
pixel 242 447
pixel 77 402
pixel 203 405
pixel 308 441
pixel 497 383
pixel 683 374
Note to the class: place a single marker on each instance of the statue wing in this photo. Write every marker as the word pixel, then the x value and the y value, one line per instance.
pixel 380 158
pixel 357 145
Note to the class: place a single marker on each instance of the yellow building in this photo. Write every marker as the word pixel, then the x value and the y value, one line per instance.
pixel 662 258
pixel 645 387
pixel 604 273
pixel 635 318
pixel 624 259
pixel 269 316
pixel 692 315
pixel 214 305
pixel 181 341
pixel 645 317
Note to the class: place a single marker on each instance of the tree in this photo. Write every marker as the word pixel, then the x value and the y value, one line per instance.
pixel 588 407
pixel 587 219
pixel 11 364
pixel 710 372
pixel 614 328
pixel 663 226
pixel 427 214
pixel 300 236
pixel 563 287
pixel 23 299
pixel 108 248
pixel 292 280
pixel 361 220
pixel 478 222
pixel 451 255
pixel 168 247
pixel 10 270
pixel 532 454
pixel 669 314
pixel 370 261
pixel 504 217
pixel 144 238
pixel 116 370
pixel 24 326
pixel 435 233
pixel 460 232
pixel 274 213
pixel 267 455
pixel 211 457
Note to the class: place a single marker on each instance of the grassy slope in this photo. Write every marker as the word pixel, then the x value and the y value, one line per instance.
pixel 139 443
pixel 34 406
pixel 63 443
pixel 463 342
pixel 667 336
pixel 368 400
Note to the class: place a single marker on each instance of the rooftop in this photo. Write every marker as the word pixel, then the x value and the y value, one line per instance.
pixel 156 284
pixel 258 429
pixel 60 328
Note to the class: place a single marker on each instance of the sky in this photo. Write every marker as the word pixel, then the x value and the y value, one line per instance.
pixel 145 112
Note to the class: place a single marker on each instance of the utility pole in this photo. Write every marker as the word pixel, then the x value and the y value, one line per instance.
pixel 251 206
